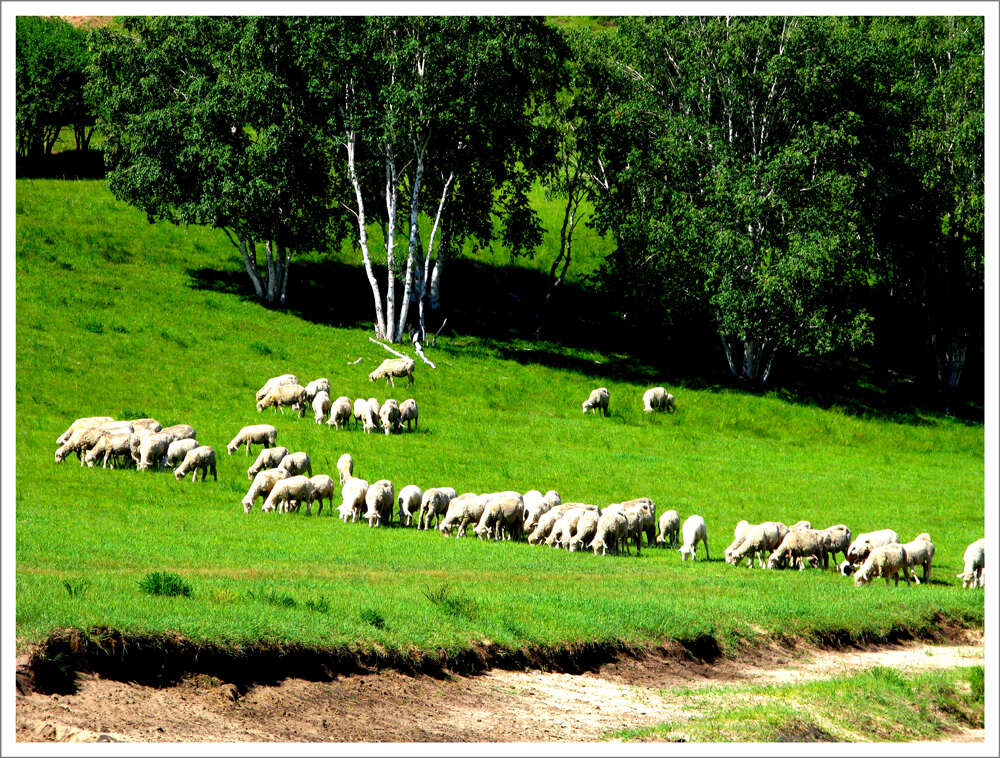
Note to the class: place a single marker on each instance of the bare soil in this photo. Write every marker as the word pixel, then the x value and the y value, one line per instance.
pixel 495 706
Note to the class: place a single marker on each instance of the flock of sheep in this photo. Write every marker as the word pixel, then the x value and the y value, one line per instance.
pixel 284 481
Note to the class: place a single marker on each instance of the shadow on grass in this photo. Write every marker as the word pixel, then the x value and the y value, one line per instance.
pixel 69 164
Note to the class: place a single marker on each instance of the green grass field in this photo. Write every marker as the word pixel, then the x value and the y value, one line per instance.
pixel 110 321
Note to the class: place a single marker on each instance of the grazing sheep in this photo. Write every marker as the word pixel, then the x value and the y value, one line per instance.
pixel 919 552
pixel 345 467
pixel 463 510
pixel 410 498
pixel 379 499
pixel 612 528
pixel 178 449
pixel 648 512
pixel 113 447
pixel 315 387
pixel 598 399
pixel 756 542
pixel 201 459
pixel 389 416
pixel 262 485
pixel 374 405
pixel 288 494
pixel 393 367
pixel 274 381
pixel 87 422
pixel 693 531
pixel 353 495
pixel 152 447
pixel 974 559
pixel 635 518
pixel 321 405
pixel 563 530
pixel 657 399
pixel 269 457
pixel 292 395
pixel 552 498
pixel 340 413
pixel 359 411
pixel 740 534
pixel 885 561
pixel 797 545
pixel 179 432
pixel 858 550
pixel 256 434
pixel 586 530
pixel 800 525
pixel 534 506
pixel 669 527
pixel 370 419
pixel 433 505
pixel 297 463
pixel 840 539
pixel 86 437
pixel 408 412
pixel 503 516
pixel 545 524
pixel 741 528
pixel 140 425
pixel 322 488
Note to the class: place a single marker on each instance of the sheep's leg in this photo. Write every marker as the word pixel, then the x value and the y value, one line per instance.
pixel 704 541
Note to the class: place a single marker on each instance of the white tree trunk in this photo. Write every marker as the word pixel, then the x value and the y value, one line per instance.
pixel 425 273
pixel 363 238
pixel 411 252
pixel 250 263
pixel 391 202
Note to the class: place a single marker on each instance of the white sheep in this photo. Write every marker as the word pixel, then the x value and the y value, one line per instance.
pixel 379 499
pixel 463 510
pixel 648 512
pixel 393 367
pixel 178 432
pixel 113 447
pixel 321 405
pixel 263 483
pixel 201 458
pixel 152 448
pixel 292 395
pixel 756 542
pixel 345 467
pixel 255 434
pixel 178 449
pixel 886 561
pixel 87 422
pixel 408 412
pixel 140 425
pixel 359 411
pixel 369 418
pixel 693 531
pixel 340 413
pixel 86 437
pixel 858 550
pixel 503 516
pixel 274 381
pixel 297 463
pixel 598 400
pixel 920 552
pixel 798 545
pixel 612 529
pixel 433 505
pixel 586 530
pixel 669 528
pixel 315 387
pixel 269 457
pixel 389 415
pixel 974 559
pixel 409 500
pixel 534 506
pixel 322 488
pixel 545 524
pixel 375 406
pixel 552 498
pixel 657 399
pixel 840 539
pixel 563 530
pixel 353 495
pixel 289 494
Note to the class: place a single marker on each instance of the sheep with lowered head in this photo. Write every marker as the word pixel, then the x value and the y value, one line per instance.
pixel 840 540
pixel 798 545
pixel 756 542
pixel 545 524
pixel 389 414
pixel 86 422
pixel 379 499
pixel 598 399
pixel 463 510
pixel 113 447
pixel 647 509
pixel 321 405
pixel 376 407
pixel 920 552
pixel 288 494
pixel 563 530
pixel 534 506
pixel 274 381
pixel 269 457
pixel 693 531
pixel 201 458
pixel 345 467
pixel 611 530
pixel 315 387
pixel 322 488
pixel 586 530
pixel 393 367
pixel 353 495
pixel 657 399
pixel 433 505
pixel 263 483
pixel 359 411
pixel 409 500
pixel 408 412
pixel 152 448
pixel 86 437
pixel 177 450
pixel 292 395
pixel 340 413
pixel 886 561
pixel 255 434
pixel 503 516
pixel 974 560
pixel 669 528
pixel 297 463
pixel 865 542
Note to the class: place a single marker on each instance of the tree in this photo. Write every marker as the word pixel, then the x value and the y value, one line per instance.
pixel 217 122
pixel 728 175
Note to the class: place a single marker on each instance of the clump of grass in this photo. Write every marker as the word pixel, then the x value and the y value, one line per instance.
pixel 164 583
pixel 261 348
pixel 132 413
pixel 451 602
pixel 272 597
pixel 319 605
pixel 373 618
pixel 75 587
pixel 93 326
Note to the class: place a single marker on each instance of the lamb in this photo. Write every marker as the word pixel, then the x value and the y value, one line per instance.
pixel 353 495
pixel 799 544
pixel 462 510
pixel 322 488
pixel 87 422
pixel 657 399
pixel 410 499
pixel 370 419
pixel 755 542
pixel 885 561
pixel 113 446
pixel 408 412
pixel 293 395
pixel 611 529
pixel 840 539
pixel 179 432
pixel 256 434
pixel 693 531
pixel 315 387
pixel 598 399
pixel 503 514
pixel 545 524
pixel 433 505
pixel 288 494
pixel 379 499
pixel 345 467
pixel 340 413
pixel 858 550
pixel 152 447
pixel 393 367
pixel 389 415
pixel 296 463
pixel 974 559
pixel 669 527
pixel 262 485
pixel 321 405
pixel 586 530
pixel 919 552
pixel 201 459
pixel 269 457
pixel 178 449
pixel 274 381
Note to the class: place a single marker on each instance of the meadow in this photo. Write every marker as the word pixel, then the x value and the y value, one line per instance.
pixel 118 317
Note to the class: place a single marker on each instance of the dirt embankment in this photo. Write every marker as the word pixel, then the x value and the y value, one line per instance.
pixel 626 691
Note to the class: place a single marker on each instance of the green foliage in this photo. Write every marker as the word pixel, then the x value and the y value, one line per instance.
pixel 373 618
pixel 164 583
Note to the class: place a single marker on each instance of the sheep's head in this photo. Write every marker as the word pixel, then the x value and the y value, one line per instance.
pixel 863 575
pixel 260 406
pixel 179 474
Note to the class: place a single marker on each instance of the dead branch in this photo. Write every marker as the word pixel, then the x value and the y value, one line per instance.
pixel 394 352
pixel 416 346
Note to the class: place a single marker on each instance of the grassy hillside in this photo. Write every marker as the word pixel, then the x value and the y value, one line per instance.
pixel 119 317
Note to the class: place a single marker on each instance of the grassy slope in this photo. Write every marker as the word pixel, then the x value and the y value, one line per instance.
pixel 108 323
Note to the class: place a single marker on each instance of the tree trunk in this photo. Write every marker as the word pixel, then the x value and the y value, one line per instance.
pixel 426 269
pixel 391 200
pixel 950 354
pixel 363 239
pixel 758 358
pixel 411 251
pixel 565 256
pixel 250 263
pixel 272 272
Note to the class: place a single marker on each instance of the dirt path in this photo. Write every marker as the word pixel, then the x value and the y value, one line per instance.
pixel 498 706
